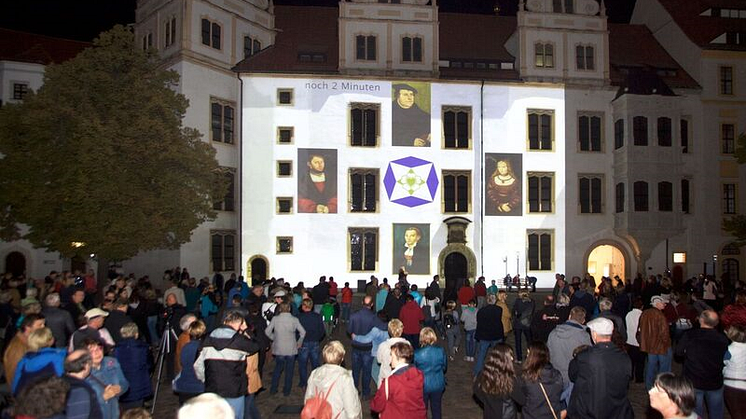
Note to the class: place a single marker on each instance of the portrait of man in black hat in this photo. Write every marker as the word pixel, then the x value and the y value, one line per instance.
pixel 410 124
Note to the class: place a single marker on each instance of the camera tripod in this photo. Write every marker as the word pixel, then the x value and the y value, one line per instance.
pixel 163 348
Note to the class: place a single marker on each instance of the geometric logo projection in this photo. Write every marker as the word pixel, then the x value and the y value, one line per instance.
pixel 411 181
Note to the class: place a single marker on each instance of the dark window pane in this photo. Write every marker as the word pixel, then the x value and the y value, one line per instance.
pixel 206 32
pixel 356 251
pixel 360 47
pixel 533 132
pixel 217 252
pixel 533 194
pixel 217 121
pixel 585 195
pixel 545 252
pixel 371 48
pixel 247 46
pixel 417 49
pixel 533 252
pixel 462 129
pixel 284 205
pixel 640 130
pixel 684 136
pixel 228 124
pixel 619 197
pixel 729 139
pixel 216 35
pixel 595 133
pixel 230 196
pixel 356 192
pixel 685 196
pixel 546 132
pixel 371 127
pixel 546 194
pixel 449 129
pixel 286 135
pixel 589 58
pixel 357 127
pixel 641 196
pixel 579 56
pixel 619 134
pixel 462 189
pixel 596 195
pixel 257 46
pixel 369 251
pixel 449 193
pixel 664 132
pixel 406 48
pixel 665 196
pixel 370 192
pixel 228 252
pixel 583 132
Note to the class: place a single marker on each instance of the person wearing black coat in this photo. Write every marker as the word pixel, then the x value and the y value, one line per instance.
pixel 320 294
pixel 171 315
pixel 489 330
pixel 545 320
pixel 59 321
pixel 394 303
pixel 600 375
pixel 116 319
pixel 538 373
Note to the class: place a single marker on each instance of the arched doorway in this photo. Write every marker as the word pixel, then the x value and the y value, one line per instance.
pixel 730 270
pixel 77 263
pixel 455 269
pixel 15 263
pixel 606 260
pixel 257 269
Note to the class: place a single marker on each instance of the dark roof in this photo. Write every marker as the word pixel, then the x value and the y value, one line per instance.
pixel 463 37
pixel 703 29
pixel 633 48
pixel 39 49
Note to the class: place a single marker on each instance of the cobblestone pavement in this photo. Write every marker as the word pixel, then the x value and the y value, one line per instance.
pixel 457 399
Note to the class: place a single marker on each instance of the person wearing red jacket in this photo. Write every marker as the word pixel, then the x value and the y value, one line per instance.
pixel 480 291
pixel 346 302
pixel 412 317
pixel 735 313
pixel 465 294
pixel 401 396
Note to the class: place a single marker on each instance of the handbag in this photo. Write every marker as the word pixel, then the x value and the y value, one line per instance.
pixel 554 415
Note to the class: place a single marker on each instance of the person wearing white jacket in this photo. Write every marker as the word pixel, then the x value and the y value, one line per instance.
pixel 734 372
pixel 334 383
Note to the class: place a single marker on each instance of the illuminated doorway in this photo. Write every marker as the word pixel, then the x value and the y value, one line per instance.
pixel 606 260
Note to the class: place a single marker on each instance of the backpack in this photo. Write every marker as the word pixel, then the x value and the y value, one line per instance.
pixel 449 321
pixel 318 407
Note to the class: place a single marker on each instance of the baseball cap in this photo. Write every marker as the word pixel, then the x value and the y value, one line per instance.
pixel 280 293
pixel 657 299
pixel 602 326
pixel 95 312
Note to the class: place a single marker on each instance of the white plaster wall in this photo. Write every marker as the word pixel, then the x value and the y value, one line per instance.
pixel 320 120
pixel 38 261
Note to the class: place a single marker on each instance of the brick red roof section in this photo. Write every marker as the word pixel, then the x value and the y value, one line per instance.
pixel 703 29
pixel 32 48
pixel 635 47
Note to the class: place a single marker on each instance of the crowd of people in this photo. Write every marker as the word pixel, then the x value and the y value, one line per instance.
pixel 574 353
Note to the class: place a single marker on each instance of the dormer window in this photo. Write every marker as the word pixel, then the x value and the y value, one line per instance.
pixel 563 6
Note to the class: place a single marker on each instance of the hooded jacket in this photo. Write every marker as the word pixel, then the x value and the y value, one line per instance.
pixel 562 342
pixel 405 395
pixel 343 397
pixel 221 364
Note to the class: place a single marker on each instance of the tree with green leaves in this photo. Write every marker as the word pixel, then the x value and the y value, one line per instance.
pixel 97 161
pixel 736 224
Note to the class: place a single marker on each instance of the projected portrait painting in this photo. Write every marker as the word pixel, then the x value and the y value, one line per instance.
pixel 317 181
pixel 503 194
pixel 411 248
pixel 410 114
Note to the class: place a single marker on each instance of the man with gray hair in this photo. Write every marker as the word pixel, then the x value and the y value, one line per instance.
pixel 59 321
pixel 206 405
pixel 703 350
pixel 565 338
pixel 601 377
pixel 604 308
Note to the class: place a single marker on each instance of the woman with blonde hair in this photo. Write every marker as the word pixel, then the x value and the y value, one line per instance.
pixel 335 383
pixel 497 386
pixel 502 302
pixel 41 361
pixel 431 360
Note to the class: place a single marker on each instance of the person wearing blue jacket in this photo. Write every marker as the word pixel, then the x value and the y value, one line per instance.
pixel 431 360
pixel 135 360
pixel 187 385
pixel 107 379
pixel 40 362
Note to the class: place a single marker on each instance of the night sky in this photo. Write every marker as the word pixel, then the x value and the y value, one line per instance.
pixel 84 19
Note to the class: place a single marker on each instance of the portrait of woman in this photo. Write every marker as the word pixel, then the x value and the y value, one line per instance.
pixel 504 185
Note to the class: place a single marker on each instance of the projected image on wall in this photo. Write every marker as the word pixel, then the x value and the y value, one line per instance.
pixel 503 184
pixel 410 119
pixel 317 181
pixel 412 248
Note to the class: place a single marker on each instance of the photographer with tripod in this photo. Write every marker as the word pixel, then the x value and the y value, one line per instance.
pixel 168 327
